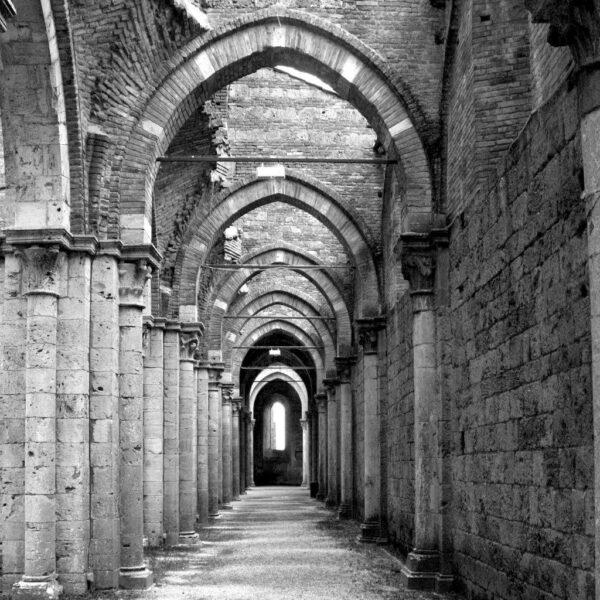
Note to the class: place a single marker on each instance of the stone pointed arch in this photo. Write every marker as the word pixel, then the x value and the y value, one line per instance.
pixel 261 327
pixel 275 36
pixel 282 373
pixel 301 307
pixel 221 300
pixel 202 233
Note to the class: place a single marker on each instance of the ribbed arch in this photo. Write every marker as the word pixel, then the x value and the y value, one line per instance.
pixel 282 373
pixel 203 232
pixel 275 36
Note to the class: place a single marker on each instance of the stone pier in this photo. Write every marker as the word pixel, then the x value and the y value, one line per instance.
pixel 202 443
pixel 153 430
pixel 332 443
pixel 171 432
pixel 132 280
pixel 226 455
pixel 344 367
pixel 189 341
pixel 371 530
pixel 236 407
pixel 321 400
pixel 214 410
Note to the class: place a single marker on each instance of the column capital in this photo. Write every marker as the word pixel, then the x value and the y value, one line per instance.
pixel 330 383
pixel 572 23
pixel 189 341
pixel 236 405
pixel 215 369
pixel 367 333
pixel 172 325
pixel 132 281
pixel 147 326
pixel 40 269
pixel 344 366
pixel 227 393
pixel 321 400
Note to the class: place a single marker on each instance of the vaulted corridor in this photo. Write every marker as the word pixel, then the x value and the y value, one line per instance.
pixel 276 543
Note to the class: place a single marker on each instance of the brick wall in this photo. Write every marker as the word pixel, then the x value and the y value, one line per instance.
pixel 522 466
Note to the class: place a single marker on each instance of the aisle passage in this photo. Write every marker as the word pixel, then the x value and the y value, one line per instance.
pixel 277 543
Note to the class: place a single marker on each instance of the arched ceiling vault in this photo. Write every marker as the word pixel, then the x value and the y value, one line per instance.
pixel 272 37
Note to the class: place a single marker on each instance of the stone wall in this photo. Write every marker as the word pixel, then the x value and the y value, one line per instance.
pixel 522 466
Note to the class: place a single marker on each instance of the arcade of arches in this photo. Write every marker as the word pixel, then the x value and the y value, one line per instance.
pixel 408 325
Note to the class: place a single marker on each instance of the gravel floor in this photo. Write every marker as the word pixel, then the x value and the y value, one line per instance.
pixel 277 543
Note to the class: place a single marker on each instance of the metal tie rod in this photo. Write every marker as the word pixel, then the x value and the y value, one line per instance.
pixel 241 266
pixel 194 158
pixel 279 347
pixel 276 368
pixel 275 317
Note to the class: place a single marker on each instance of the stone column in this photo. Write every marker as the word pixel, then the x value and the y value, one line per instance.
pixel 332 443
pixel 236 406
pixel 227 391
pixel 305 453
pixel 422 567
pixel 202 379
pixel 371 528
pixel 321 400
pixel 189 341
pixel 313 418
pixel 132 280
pixel 40 284
pixel 243 447
pixel 214 410
pixel 153 342
pixel 73 425
pixel 344 367
pixel 171 432
pixel 104 419
pixel 250 449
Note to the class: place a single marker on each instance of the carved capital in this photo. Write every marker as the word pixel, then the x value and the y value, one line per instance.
pixel 146 330
pixel 227 392
pixel 321 400
pixel 330 384
pixel 236 405
pixel 40 268
pixel 368 330
pixel 188 345
pixel 344 366
pixel 573 23
pixel 132 280
pixel 215 371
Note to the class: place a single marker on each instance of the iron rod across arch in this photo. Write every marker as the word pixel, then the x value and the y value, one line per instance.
pixel 192 158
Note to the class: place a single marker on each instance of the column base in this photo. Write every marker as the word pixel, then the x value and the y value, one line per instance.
pixel 135 578
pixel 344 511
pixel 216 515
pixel 36 588
pixel 188 537
pixel 370 533
pixel 226 506
pixel 171 538
pixel 331 503
pixel 421 572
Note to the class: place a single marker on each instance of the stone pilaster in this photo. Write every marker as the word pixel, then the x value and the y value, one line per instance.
pixel 321 400
pixel 40 273
pixel 236 408
pixel 189 341
pixel 12 417
pixel 305 452
pixel 202 444
pixel 371 527
pixel 332 443
pixel 423 564
pixel 104 420
pixel 250 422
pixel 132 280
pixel 344 369
pixel 226 455
pixel 73 425
pixel 214 410
pixel 153 344
pixel 171 432
pixel 313 419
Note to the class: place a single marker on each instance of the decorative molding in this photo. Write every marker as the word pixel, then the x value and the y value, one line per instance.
pixel 147 326
pixel 330 384
pixel 40 267
pixel 227 393
pixel 188 345
pixel 573 23
pixel 321 400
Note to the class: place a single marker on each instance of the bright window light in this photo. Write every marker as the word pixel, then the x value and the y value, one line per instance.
pixel 278 424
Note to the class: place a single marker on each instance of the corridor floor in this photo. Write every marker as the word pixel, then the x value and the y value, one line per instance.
pixel 277 543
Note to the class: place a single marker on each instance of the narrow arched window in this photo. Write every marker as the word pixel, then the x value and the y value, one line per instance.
pixel 278 426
